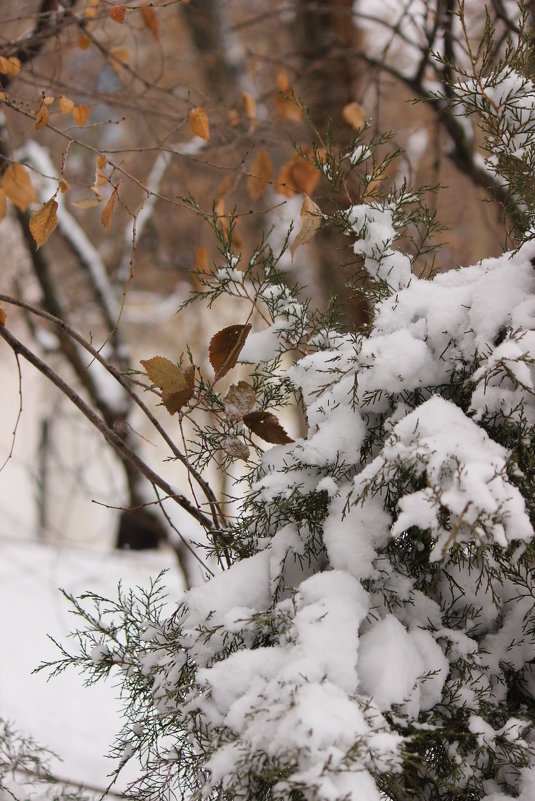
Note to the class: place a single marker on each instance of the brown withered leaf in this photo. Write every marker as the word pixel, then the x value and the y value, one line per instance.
pixel 225 347
pixel 65 104
pixel 3 316
pixel 107 212
pixel 266 426
pixel 42 118
pixel 297 176
pixel 64 185
pixel 354 115
pixel 174 401
pixel 87 204
pixel 119 58
pixel 84 42
pixel 80 114
pixel 198 122
pixel 117 13
pixel 17 187
pixel 165 374
pixel 249 104
pixel 239 401
pixel 3 204
pixel 261 172
pixel 43 222
pixel 235 447
pixel 150 20
pixel 310 222
pixel 10 66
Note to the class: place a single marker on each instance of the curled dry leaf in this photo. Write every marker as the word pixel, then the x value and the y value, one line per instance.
pixel 236 448
pixel 80 114
pixel 198 122
pixel 117 13
pixel 17 187
pixel 42 118
pixel 310 222
pixel 261 172
pixel 354 115
pixel 297 176
pixel 225 347
pixel 43 222
pixel 239 401
pixel 107 213
pixel 266 426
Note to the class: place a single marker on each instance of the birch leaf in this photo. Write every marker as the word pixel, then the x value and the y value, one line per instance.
pixel 43 222
pixel 107 213
pixel 174 401
pixel 43 117
pixel 150 20
pixel 239 401
pixel 225 347
pixel 354 115
pixel 165 374
pixel 310 222
pixel 3 204
pixel 266 426
pixel 80 114
pixel 117 13
pixel 17 187
pixel 198 122
pixel 65 104
pixel 261 172
pixel 3 316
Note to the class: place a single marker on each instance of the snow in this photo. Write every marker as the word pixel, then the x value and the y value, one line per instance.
pixel 79 724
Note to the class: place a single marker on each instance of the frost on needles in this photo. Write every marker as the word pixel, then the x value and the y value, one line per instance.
pixel 374 636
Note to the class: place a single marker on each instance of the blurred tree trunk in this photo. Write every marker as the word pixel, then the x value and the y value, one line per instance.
pixel 327 40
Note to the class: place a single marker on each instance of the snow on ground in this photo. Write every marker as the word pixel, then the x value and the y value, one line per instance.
pixel 77 723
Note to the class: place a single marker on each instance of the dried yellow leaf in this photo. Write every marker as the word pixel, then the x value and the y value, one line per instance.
pixel 284 106
pixel 261 172
pixel 2 95
pixel 17 186
pixel 120 56
pixel 84 42
pixel 165 374
pixel 198 122
pixel 107 213
pixel 3 316
pixel 233 117
pixel 354 115
pixel 64 186
pixel 101 161
pixel 3 204
pixel 249 104
pixel 10 66
pixel 48 100
pixel 87 204
pixel 43 222
pixel 43 117
pixel 310 222
pixel 80 114
pixel 65 105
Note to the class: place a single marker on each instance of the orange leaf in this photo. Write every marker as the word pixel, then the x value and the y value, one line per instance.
pixel 297 176
pixel 43 117
pixel 150 21
pixel 249 104
pixel 43 222
pixel 117 13
pixel 48 101
pixel 120 56
pixel 107 213
pixel 239 401
pixel 198 122
pixel 65 105
pixel 64 186
pixel 354 115
pixel 266 426
pixel 261 172
pixel 310 222
pixel 87 204
pixel 10 66
pixel 80 114
pixel 285 107
pixel 3 315
pixel 201 259
pixel 3 204
pixel 18 187
pixel 225 347
pixel 84 42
